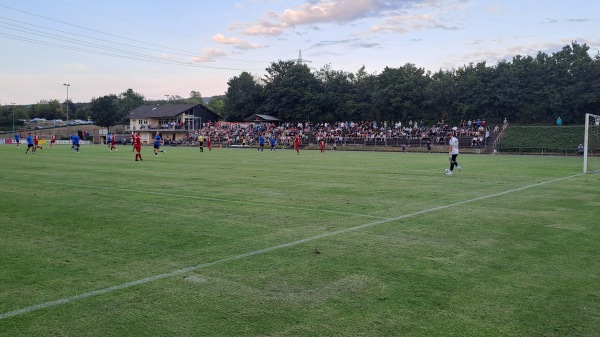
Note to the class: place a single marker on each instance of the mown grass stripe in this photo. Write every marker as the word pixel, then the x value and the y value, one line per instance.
pixel 153 278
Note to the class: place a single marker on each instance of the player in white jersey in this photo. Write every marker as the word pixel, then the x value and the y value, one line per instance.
pixel 453 151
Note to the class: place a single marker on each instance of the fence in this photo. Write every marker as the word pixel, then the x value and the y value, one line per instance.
pixel 544 151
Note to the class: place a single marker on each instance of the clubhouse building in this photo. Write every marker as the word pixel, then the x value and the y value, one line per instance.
pixel 175 122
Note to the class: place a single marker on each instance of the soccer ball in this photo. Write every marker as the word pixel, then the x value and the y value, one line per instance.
pixel 447 171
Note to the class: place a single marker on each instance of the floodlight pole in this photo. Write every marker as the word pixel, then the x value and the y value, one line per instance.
pixel 67 101
pixel 67 105
pixel 13 116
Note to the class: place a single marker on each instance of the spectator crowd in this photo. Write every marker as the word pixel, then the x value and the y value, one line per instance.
pixel 344 132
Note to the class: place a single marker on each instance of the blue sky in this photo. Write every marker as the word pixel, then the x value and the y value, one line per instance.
pixel 160 48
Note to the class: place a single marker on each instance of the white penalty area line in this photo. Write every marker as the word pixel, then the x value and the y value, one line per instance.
pixel 149 279
pixel 194 197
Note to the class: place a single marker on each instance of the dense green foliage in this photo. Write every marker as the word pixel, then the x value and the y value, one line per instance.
pixel 526 90
pixel 543 136
pixel 550 138
pixel 279 244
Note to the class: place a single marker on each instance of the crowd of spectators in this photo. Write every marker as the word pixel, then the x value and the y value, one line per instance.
pixel 477 131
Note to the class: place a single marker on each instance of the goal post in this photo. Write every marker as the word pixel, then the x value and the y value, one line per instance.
pixel 591 144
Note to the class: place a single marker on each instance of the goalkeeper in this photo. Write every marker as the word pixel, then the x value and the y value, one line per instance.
pixel 453 151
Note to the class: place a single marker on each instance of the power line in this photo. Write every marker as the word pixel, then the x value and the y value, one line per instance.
pixel 91 29
pixel 123 20
pixel 168 49
pixel 140 58
pixel 89 37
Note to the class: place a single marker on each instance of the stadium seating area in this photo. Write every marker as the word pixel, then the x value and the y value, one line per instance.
pixel 412 134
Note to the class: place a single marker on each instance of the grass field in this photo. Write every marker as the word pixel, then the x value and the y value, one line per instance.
pixel 238 243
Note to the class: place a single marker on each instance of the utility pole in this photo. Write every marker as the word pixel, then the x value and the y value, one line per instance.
pixel 13 115
pixel 67 105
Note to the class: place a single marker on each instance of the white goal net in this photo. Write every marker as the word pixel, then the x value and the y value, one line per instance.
pixel 591 144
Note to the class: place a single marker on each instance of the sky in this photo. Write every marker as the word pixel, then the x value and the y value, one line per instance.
pixel 166 48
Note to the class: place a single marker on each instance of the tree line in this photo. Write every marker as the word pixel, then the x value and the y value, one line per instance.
pixel 525 90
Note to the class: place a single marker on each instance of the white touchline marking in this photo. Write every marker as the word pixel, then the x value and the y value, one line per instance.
pixel 149 279
pixel 194 197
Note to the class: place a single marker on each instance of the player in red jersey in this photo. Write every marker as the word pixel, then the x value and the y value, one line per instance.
pixel 322 144
pixel 113 143
pixel 137 146
pixel 52 141
pixel 208 142
pixel 297 143
pixel 36 142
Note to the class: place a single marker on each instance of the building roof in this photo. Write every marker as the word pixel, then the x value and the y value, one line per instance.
pixel 159 111
pixel 261 118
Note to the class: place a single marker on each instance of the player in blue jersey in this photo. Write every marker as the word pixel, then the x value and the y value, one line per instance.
pixel 261 143
pixel 109 138
pixel 75 140
pixel 272 141
pixel 17 139
pixel 30 144
pixel 72 141
pixel 157 144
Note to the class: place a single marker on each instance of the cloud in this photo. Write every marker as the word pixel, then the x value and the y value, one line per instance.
pixel 354 43
pixel 405 23
pixel 433 14
pixel 234 41
pixel 367 45
pixel 333 43
pixel 209 55
pixel 507 53
pixel 578 20
pixel 325 11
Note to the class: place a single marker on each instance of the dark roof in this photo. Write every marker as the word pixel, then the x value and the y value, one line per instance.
pixel 157 111
pixel 261 118
pixel 174 110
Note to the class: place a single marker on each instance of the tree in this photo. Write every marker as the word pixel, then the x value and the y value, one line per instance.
pixel 195 98
pixel 107 111
pixel 82 113
pixel 400 93
pixel 291 92
pixel 359 105
pixel 175 99
pixel 47 109
pixel 337 90
pixel 217 104
pixel 526 89
pixel 243 97
pixel 10 113
pixel 131 100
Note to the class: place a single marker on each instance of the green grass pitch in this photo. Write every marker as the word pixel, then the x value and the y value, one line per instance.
pixel 233 242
